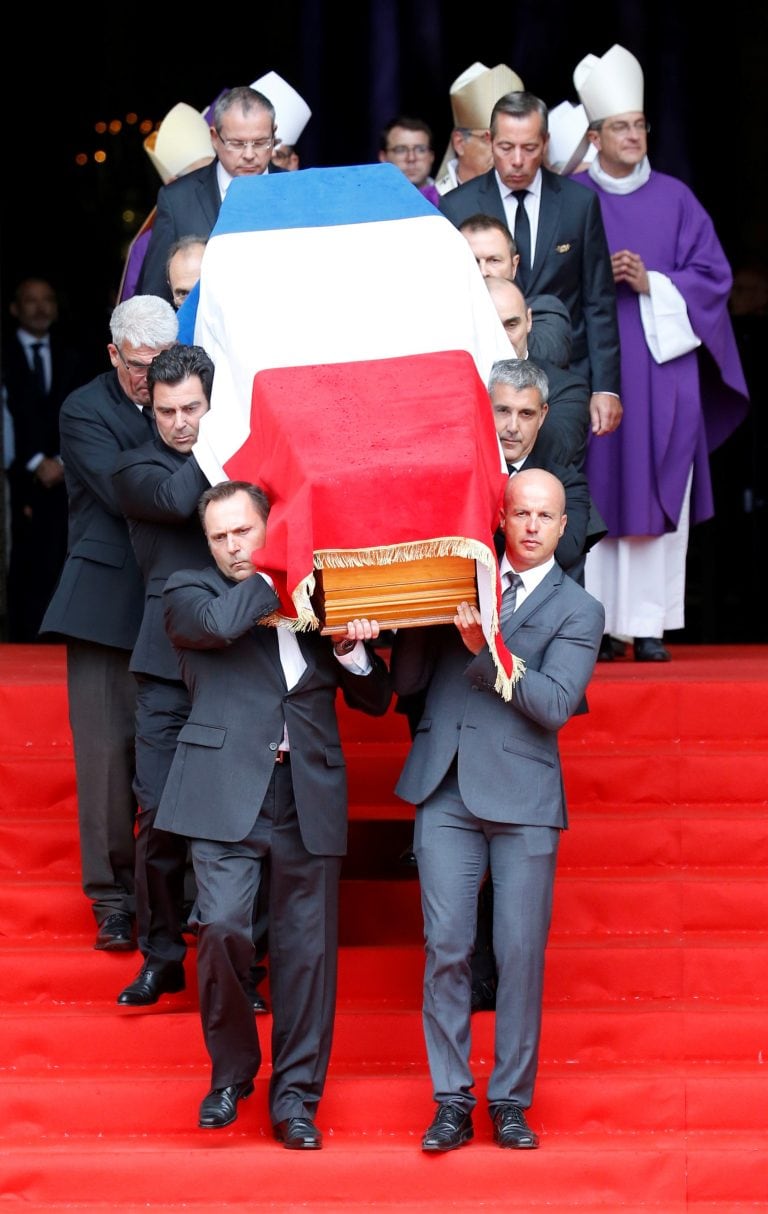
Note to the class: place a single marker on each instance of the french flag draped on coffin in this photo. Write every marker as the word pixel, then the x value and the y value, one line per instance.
pixel 353 336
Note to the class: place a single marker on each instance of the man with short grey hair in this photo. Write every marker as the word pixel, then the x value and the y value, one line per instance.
pixel 97 607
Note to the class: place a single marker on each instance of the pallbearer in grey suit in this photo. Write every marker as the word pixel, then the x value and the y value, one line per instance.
pixel 484 775
pixel 259 774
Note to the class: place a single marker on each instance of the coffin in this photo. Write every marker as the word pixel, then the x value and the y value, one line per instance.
pixel 403 594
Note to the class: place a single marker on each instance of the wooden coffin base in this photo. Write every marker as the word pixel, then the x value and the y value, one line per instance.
pixel 405 594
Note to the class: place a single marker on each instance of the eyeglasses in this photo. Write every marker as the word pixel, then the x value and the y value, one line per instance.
pixel 133 368
pixel 623 128
pixel 469 134
pixel 417 149
pixel 239 145
pixel 282 153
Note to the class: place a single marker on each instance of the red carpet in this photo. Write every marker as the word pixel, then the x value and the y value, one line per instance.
pixel 652 1091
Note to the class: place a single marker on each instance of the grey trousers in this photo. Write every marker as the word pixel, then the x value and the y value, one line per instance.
pixel 453 849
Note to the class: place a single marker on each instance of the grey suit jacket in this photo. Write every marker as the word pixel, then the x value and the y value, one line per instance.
pixel 571 261
pixel 508 753
pixel 225 757
pixel 158 489
pixel 100 594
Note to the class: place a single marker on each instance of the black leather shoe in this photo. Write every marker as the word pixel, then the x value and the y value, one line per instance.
pixel 149 984
pixel 510 1129
pixel 650 649
pixel 115 934
pixel 450 1129
pixel 483 995
pixel 299 1134
pixel 605 652
pixel 258 1003
pixel 408 858
pixel 219 1108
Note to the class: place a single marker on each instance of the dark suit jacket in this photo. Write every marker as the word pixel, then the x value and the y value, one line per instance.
pixel 572 261
pixel 508 754
pixel 188 206
pixel 551 337
pixel 38 514
pixel 579 536
pixel 565 432
pixel 157 489
pixel 35 418
pixel 225 757
pixel 100 594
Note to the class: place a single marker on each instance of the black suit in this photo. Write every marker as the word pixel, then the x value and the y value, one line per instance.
pixel 97 607
pixel 571 261
pixel 38 514
pixel 158 489
pixel 237 805
pixel 551 338
pixel 188 206
pixel 565 432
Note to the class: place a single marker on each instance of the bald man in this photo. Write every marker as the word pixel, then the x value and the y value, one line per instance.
pixel 183 267
pixel 486 780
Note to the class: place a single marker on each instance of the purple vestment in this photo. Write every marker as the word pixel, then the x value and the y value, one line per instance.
pixel 677 412
pixel 429 190
pixel 135 258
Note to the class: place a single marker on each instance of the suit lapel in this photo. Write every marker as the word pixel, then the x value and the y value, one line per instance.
pixel 549 220
pixel 209 197
pixel 490 197
pixel 534 601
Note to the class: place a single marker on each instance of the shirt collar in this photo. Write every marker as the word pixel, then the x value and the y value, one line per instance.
pixel 529 577
pixel 28 339
pixel 534 188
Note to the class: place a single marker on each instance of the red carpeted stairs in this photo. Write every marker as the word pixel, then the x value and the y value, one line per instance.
pixel 653 1083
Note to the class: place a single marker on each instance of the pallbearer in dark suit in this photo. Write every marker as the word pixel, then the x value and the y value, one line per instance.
pixel 158 486
pixel 485 776
pixel 98 605
pixel 259 773
pixel 243 137
pixel 570 251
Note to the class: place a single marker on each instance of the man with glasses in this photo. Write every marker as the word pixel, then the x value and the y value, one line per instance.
pixel 651 479
pixel 243 139
pixel 407 143
pixel 98 604
pixel 472 95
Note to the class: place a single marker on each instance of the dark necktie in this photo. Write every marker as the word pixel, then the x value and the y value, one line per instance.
pixel 509 599
pixel 522 238
pixel 38 368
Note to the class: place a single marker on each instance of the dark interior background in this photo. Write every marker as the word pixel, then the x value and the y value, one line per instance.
pixel 358 64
